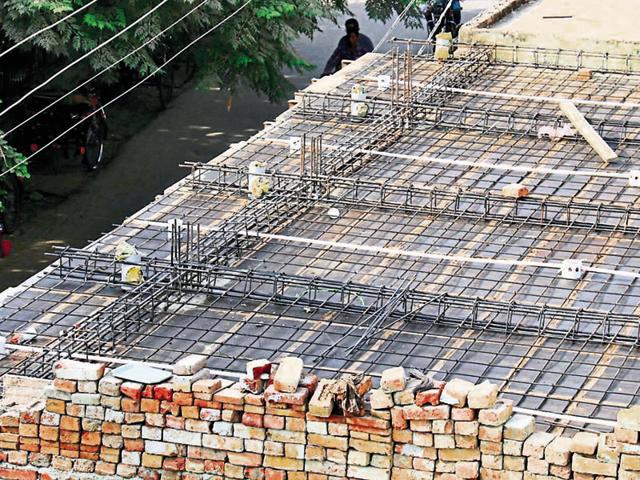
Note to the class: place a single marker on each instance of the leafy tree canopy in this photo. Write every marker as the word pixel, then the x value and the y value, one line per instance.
pixel 251 49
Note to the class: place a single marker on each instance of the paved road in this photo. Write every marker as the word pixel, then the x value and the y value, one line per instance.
pixel 196 127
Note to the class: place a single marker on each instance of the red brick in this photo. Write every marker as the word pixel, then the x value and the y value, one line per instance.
pixel 254 473
pixel 169 407
pixel 190 411
pixel 134 444
pixel 111 428
pixel 310 382
pixel 214 466
pixel 174 422
pixel 69 423
pixel 245 459
pixel 252 419
pixel 369 422
pixel 91 438
pixel 149 405
pixel 299 397
pixel 397 419
pixel 130 405
pixel 430 397
pixel 69 436
pixel 89 455
pixel 207 404
pixel 148 474
pixel 175 464
pixel 90 448
pixel 271 474
pixel 183 398
pixel 273 421
pixel 147 391
pixel 132 390
pixel 31 417
pixel 9 474
pixel 69 386
pixel 163 392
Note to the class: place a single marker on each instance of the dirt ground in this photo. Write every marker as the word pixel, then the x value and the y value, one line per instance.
pixel 72 207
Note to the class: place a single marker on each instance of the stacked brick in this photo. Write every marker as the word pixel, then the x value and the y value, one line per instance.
pixel 284 425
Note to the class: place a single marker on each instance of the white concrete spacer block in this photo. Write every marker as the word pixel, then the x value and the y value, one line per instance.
pixel 333 213
pixel 358 97
pixel 634 178
pixel 295 144
pixel 572 269
pixel 384 82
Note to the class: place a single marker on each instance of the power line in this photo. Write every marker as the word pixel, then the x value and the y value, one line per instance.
pixel 394 24
pixel 151 40
pixel 78 60
pixel 172 58
pixel 47 28
pixel 435 27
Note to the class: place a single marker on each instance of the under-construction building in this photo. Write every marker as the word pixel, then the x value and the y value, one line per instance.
pixel 447 216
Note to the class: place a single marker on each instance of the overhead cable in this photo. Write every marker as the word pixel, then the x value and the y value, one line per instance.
pixel 47 28
pixel 82 57
pixel 128 55
pixel 143 80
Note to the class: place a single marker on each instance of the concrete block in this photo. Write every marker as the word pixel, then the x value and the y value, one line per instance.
pixel 483 395
pixel 288 375
pixel 79 371
pixel 393 380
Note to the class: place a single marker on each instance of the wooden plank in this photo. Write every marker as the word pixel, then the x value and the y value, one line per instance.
pixel 587 131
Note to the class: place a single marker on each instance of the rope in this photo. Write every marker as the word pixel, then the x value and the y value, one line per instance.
pixel 431 256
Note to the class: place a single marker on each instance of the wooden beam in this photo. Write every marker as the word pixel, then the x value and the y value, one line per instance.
pixel 587 131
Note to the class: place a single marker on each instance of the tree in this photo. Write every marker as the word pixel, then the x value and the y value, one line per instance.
pixel 252 49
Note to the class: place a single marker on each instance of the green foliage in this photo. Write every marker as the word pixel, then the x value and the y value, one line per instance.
pixel 252 48
pixel 385 10
pixel 10 159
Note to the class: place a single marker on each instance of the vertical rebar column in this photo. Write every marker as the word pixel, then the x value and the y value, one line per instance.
pixel 303 148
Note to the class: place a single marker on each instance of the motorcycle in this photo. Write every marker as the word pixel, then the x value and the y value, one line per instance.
pixel 86 140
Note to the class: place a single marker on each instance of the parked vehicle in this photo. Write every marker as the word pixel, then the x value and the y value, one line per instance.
pixel 86 141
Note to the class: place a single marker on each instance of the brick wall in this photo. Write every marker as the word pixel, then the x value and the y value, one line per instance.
pixel 196 427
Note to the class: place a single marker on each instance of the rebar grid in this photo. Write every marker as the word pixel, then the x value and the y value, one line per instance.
pixel 259 314
pixel 550 343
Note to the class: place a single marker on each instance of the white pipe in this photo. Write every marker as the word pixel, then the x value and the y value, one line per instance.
pixel 516 96
pixel 474 164
pixel 400 252
pixel 432 256
pixel 569 418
